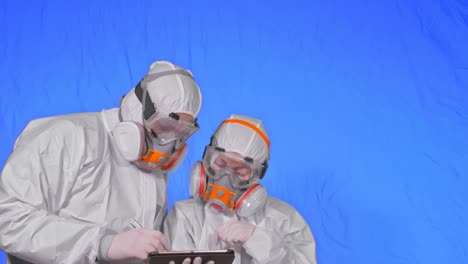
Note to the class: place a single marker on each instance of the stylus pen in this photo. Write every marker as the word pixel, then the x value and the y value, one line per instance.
pixel 135 224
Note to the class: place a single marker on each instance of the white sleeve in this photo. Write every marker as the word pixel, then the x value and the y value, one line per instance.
pixel 271 244
pixel 34 183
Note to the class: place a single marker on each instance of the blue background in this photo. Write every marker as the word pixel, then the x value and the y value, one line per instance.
pixel 365 102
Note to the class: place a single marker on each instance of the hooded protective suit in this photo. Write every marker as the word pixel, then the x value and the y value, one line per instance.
pixel 280 236
pixel 66 186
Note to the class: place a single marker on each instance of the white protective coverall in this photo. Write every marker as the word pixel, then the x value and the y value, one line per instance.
pixel 65 185
pixel 281 234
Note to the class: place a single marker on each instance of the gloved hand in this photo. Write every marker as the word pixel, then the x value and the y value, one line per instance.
pixel 233 231
pixel 137 243
pixel 197 260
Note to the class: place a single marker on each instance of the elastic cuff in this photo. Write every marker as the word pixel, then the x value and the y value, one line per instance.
pixel 263 238
pixel 105 244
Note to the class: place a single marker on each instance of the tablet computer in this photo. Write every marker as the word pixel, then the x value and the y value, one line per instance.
pixel 218 256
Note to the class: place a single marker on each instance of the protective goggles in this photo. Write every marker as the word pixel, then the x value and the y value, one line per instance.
pixel 165 127
pixel 243 172
pixel 169 127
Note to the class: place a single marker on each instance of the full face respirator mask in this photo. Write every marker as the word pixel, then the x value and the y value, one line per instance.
pixel 228 182
pixel 158 143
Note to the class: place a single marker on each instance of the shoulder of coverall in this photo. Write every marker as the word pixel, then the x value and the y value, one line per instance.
pixel 188 208
pixel 285 216
pixel 82 132
pixel 189 204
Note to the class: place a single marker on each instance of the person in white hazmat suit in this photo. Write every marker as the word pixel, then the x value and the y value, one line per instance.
pixel 75 185
pixel 229 208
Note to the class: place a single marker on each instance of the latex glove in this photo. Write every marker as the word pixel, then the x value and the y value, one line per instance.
pixel 233 231
pixel 137 243
pixel 197 260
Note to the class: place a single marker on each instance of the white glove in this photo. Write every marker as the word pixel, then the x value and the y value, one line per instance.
pixel 137 243
pixel 197 260
pixel 233 231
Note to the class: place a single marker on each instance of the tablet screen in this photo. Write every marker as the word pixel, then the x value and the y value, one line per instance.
pixel 218 256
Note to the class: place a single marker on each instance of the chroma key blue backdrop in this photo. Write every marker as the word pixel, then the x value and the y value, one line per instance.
pixel 365 102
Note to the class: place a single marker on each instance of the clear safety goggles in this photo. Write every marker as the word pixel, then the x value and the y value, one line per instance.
pixel 243 171
pixel 169 127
